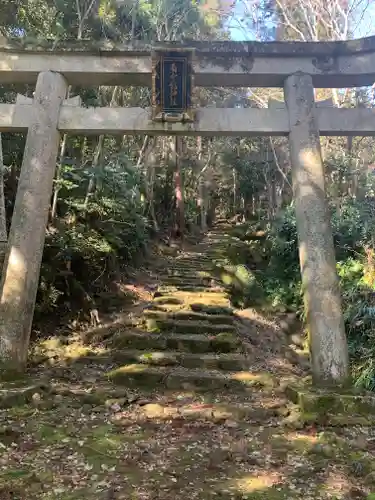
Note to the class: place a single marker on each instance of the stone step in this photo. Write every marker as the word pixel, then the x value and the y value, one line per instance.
pixel 184 273
pixel 190 288
pixel 138 374
pixel 186 327
pixel 166 300
pixel 211 309
pixel 219 319
pixel 184 281
pixel 222 343
pixel 215 412
pixel 186 298
pixel 196 256
pixel 206 361
pixel 193 262
pixel 191 268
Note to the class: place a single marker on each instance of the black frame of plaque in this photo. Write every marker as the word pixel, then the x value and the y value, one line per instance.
pixel 172 85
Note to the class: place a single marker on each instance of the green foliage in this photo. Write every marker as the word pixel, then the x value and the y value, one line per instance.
pixel 281 278
pixel 359 315
pixel 245 287
pixel 277 273
pixel 352 230
pixel 91 240
pixel 353 227
pixel 103 213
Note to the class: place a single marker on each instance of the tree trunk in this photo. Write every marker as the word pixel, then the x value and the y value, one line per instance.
pixel 234 191
pixel 98 155
pixel 202 203
pixel 179 188
pixel 3 226
pixel 150 160
pixel 92 182
pixel 57 185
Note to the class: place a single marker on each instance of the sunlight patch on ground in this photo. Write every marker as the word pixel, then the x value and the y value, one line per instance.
pixel 337 483
pixel 53 347
pixel 306 438
pixel 135 368
pixel 253 378
pixel 256 482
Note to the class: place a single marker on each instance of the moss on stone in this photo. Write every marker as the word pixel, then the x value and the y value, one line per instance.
pixel 9 372
pixel 187 327
pixel 168 300
pixel 18 396
pixel 135 341
pixel 207 309
pixel 318 405
pixel 221 319
pixel 137 374
pixel 188 343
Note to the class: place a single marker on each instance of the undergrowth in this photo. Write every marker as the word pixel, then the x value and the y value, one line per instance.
pixel 92 239
pixel 277 274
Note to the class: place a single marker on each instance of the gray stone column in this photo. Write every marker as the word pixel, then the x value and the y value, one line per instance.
pixel 328 345
pixel 20 276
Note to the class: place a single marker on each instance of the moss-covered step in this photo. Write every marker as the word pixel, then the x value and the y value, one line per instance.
pixel 17 396
pixel 188 269
pixel 193 260
pixel 326 406
pixel 189 288
pixel 221 343
pixel 215 412
pixel 166 300
pixel 186 297
pixel 212 310
pixel 219 319
pixel 195 266
pixel 209 361
pixel 138 374
pixel 160 324
pixel 181 280
pixel 185 273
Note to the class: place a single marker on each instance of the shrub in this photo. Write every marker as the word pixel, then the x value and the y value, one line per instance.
pixel 88 243
pixel 353 229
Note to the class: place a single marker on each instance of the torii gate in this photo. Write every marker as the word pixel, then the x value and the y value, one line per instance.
pixel 297 67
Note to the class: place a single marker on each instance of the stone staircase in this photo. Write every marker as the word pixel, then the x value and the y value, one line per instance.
pixel 188 337
pixel 172 401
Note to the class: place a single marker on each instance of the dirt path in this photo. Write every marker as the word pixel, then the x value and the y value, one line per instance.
pixel 182 399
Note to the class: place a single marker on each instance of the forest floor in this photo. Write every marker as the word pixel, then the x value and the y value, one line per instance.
pixel 179 396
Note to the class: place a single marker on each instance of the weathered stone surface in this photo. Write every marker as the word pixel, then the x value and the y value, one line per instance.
pixel 21 395
pixel 178 325
pixel 243 64
pixel 246 122
pixel 329 354
pixel 221 319
pixel 183 342
pixel 20 277
pixel 178 378
pixel 290 49
pixel 276 104
pixel 325 406
pixel 211 361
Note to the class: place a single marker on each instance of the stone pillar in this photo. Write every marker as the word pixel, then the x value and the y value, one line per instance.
pixel 328 345
pixel 20 277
